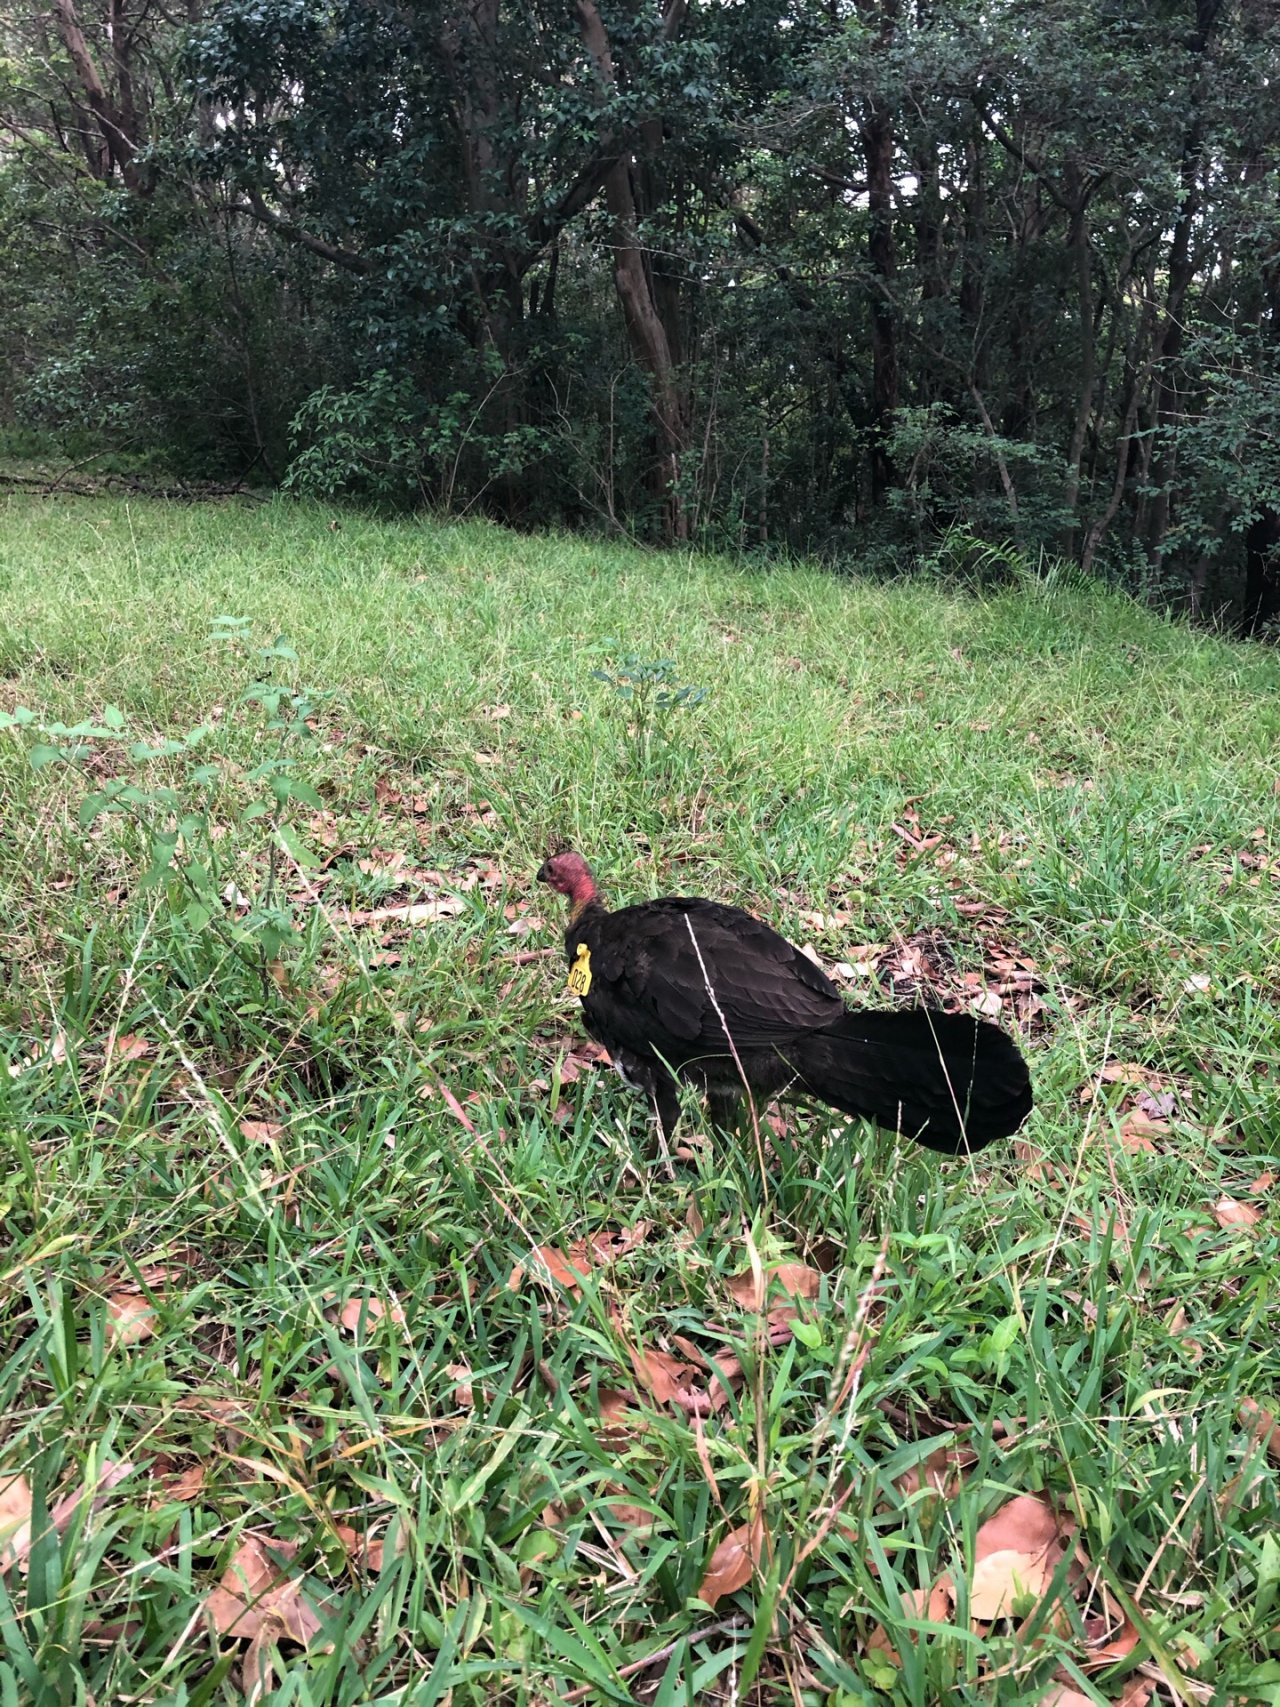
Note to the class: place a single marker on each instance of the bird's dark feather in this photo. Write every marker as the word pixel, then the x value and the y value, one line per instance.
pixel 668 977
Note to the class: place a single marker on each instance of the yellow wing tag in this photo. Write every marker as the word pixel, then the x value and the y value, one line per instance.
pixel 580 971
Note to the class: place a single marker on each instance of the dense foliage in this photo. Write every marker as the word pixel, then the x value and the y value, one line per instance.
pixel 843 278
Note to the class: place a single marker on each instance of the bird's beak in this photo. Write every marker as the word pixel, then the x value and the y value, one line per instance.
pixel 543 874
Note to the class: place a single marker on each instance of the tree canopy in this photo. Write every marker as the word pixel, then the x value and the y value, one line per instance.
pixel 856 278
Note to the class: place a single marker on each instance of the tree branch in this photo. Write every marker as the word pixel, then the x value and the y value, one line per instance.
pixel 257 209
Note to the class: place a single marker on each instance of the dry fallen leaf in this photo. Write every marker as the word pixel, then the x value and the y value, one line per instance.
pixel 1262 1424
pixel 1026 1523
pixel 131 1318
pixel 667 1378
pixel 796 1279
pixel 1139 1131
pixel 15 1519
pixel 933 1604
pixel 460 1374
pixel 943 1471
pixel 261 1131
pixel 732 1564
pixel 1230 1212
pixel 127 1048
pixel 1108 1643
pixel 187 1485
pixel 1016 1552
pixel 1060 1696
pixel 1137 1692
pixel 254 1590
pixel 1003 1579
pixel 362 1311
pixel 550 1261
pixel 1264 1182
pixel 257 1602
pixel 15 1509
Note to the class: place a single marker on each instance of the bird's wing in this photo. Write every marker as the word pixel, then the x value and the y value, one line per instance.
pixel 665 974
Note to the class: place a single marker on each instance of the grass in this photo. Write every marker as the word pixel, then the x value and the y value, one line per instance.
pixel 213 1154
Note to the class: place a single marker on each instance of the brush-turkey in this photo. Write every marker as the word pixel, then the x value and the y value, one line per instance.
pixel 689 989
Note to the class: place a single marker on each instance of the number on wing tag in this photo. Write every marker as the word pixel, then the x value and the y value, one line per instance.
pixel 580 971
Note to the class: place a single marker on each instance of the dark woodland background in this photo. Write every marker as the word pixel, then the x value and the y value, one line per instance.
pixel 884 282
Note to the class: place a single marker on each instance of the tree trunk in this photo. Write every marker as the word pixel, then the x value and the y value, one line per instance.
pixel 114 115
pixel 876 132
pixel 641 295
pixel 1261 572
pixel 1181 271
pixel 1078 243
pixel 877 141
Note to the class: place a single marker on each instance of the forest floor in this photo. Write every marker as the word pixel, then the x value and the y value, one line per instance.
pixel 350 1348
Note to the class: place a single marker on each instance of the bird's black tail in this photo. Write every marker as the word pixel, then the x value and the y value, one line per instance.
pixel 950 1081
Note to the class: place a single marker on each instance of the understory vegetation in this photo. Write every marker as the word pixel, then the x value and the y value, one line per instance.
pixel 351 1349
pixel 757 276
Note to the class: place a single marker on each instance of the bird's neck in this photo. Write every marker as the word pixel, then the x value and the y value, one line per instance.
pixel 583 898
pixel 581 905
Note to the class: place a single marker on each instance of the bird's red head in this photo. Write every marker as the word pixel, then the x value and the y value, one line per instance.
pixel 570 875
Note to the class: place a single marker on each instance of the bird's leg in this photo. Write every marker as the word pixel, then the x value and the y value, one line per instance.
pixel 724 1109
pixel 666 1104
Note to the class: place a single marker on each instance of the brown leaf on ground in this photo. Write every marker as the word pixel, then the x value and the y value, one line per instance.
pixel 1137 1692
pixel 383 864
pixel 637 1518
pixel 261 1131
pixel 57 1051
pixel 550 1260
pixel 933 1604
pixel 615 1402
pixel 1262 1424
pixel 943 1471
pixel 606 1247
pixel 796 1279
pixel 460 1375
pixel 1264 1182
pixel 1129 1073
pixel 1138 1131
pixel 1108 1642
pixel 130 1317
pixel 15 1497
pixel 365 1311
pixel 859 962
pixel 1001 1581
pixel 666 1378
pixel 1061 1696
pixel 15 1520
pixel 255 1597
pixel 734 1562
pixel 727 1374
pixel 1016 1552
pixel 1230 1212
pixel 127 1048
pixel 1115 1224
pixel 186 1485
pixel 619 1415
pixel 359 1547
pixel 1026 1523
pixel 579 1058
pixel 597 1251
